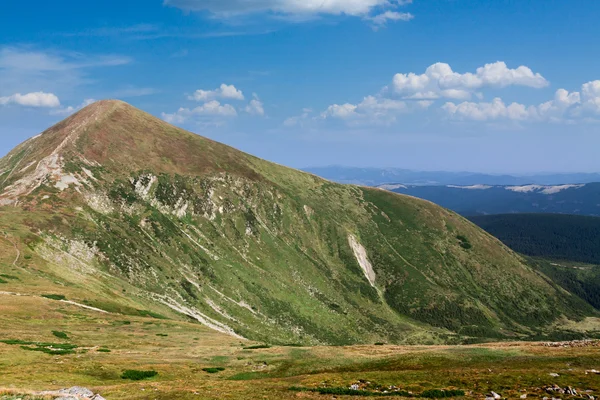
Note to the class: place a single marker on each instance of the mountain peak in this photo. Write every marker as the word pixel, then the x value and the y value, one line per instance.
pixel 117 137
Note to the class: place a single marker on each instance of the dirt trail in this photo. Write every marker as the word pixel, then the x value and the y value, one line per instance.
pixel 16 249
pixel 62 301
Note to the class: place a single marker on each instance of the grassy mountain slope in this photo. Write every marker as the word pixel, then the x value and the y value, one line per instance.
pixel 119 210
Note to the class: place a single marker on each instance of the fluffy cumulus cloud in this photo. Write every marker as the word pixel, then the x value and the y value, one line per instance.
pixel 565 106
pixel 297 8
pixel 213 112
pixel 223 92
pixel 373 110
pixel 439 80
pixel 210 109
pixel 411 92
pixel 255 107
pixel 484 111
pixel 34 99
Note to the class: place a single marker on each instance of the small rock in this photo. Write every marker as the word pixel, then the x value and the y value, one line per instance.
pixel 554 374
pixel 523 396
pixel 495 395
pixel 98 397
pixel 77 391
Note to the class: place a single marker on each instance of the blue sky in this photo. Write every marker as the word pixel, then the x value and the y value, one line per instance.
pixel 489 86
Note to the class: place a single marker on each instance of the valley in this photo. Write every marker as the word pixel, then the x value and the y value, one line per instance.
pixel 182 352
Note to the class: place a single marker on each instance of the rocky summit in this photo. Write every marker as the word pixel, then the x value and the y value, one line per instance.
pixel 117 211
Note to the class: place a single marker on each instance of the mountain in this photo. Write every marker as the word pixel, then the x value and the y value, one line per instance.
pixel 382 176
pixel 117 210
pixel 580 199
pixel 553 236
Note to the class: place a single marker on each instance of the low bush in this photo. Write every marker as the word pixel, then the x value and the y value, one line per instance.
pixel 258 346
pixel 54 296
pixel 441 394
pixel 136 375
pixel 213 370
pixel 60 335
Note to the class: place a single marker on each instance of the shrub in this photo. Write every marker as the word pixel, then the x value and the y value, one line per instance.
pixel 464 242
pixel 50 350
pixel 213 370
pixel 440 394
pixel 162 334
pixel 54 296
pixel 103 350
pixel 136 375
pixel 258 346
pixel 15 341
pixel 60 335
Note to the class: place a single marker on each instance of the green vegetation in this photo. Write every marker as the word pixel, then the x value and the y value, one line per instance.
pixel 213 370
pixel 137 375
pixel 103 350
pixel 552 236
pixel 582 280
pixel 257 346
pixel 54 296
pixel 60 335
pixel 440 394
pixel 464 242
pixel 176 227
pixel 341 391
pixel 48 348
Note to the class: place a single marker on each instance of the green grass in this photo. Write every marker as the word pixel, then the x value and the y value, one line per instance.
pixel 138 375
pixel 103 350
pixel 342 391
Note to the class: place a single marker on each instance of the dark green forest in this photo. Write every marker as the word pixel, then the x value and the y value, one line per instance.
pixel 551 236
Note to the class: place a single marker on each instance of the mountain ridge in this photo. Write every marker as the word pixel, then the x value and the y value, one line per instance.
pixel 390 176
pixel 167 222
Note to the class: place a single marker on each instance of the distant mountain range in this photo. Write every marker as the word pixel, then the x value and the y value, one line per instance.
pixel 579 199
pixel 380 176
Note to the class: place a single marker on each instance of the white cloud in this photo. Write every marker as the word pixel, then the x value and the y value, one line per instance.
pixel 66 111
pixel 255 107
pixel 377 110
pixel 439 80
pixel 382 19
pixel 35 99
pixel 223 92
pixel 297 10
pixel 235 7
pixel 565 107
pixel 494 110
pixel 211 109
